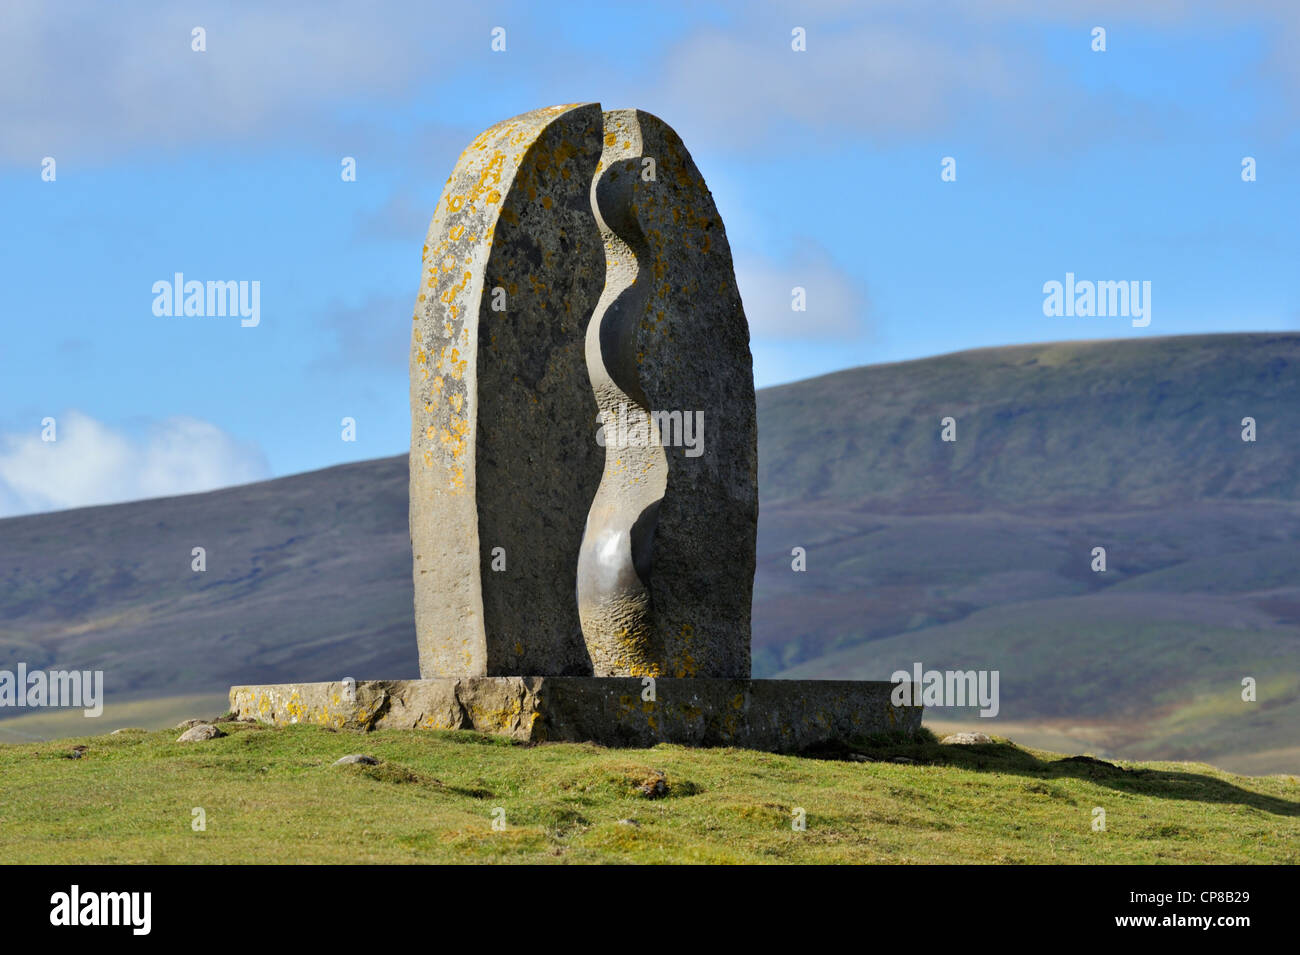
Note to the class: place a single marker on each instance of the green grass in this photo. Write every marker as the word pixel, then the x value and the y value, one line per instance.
pixel 272 795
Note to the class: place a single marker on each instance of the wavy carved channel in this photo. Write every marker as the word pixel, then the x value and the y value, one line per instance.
pixel 615 560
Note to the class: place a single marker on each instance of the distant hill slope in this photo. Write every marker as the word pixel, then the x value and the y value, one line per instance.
pixel 308 575
pixel 974 553
pixel 1083 425
pixel 977 553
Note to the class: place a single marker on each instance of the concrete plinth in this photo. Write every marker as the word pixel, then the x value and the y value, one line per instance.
pixel 774 715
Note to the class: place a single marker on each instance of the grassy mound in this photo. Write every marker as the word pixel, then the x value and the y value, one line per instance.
pixel 274 795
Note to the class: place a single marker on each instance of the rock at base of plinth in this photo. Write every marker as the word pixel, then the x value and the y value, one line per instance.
pixel 773 715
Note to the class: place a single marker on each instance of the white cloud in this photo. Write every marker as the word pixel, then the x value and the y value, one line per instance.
pixel 878 79
pixel 891 71
pixel 836 302
pixel 91 80
pixel 96 79
pixel 90 463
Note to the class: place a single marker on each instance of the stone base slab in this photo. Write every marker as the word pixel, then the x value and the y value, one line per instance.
pixel 774 715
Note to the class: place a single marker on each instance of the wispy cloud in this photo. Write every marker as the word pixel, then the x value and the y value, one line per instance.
pixel 404 216
pixel 374 336
pixel 836 304
pixel 99 80
pixel 91 463
pixel 875 79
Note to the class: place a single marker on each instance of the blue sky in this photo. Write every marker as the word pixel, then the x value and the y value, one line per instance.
pixel 825 165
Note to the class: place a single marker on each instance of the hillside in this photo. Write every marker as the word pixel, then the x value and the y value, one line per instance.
pixel 977 553
pixel 967 554
pixel 269 793
pixel 307 575
pixel 1077 426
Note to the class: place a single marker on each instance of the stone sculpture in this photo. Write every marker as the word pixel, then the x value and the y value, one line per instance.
pixel 570 245
pixel 583 469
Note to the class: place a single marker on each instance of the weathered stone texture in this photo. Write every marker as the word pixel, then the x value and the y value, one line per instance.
pixel 502 417
pixel 776 715
pixel 667 566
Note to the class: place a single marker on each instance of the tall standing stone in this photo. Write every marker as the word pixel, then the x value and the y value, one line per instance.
pixel 503 461
pixel 576 263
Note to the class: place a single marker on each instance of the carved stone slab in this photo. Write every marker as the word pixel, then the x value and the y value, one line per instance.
pixel 503 461
pixel 666 573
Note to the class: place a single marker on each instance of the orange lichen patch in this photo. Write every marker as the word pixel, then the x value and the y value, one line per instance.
pixel 455 290
pixel 451 362
pixel 453 440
